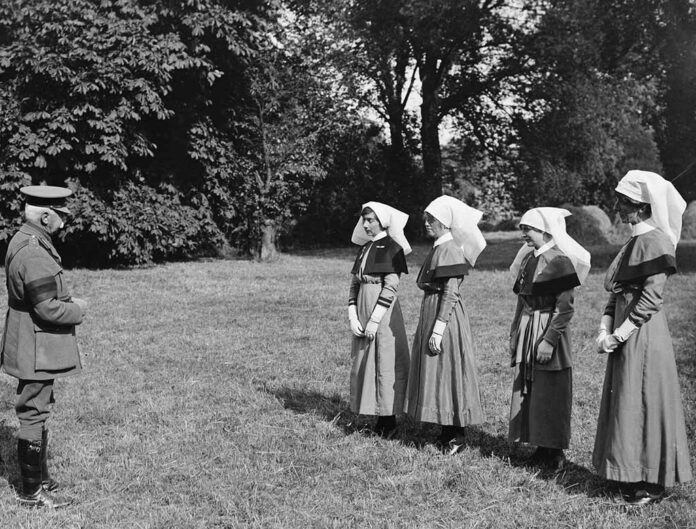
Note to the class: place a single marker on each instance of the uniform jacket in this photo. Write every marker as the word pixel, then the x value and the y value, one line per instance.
pixel 38 340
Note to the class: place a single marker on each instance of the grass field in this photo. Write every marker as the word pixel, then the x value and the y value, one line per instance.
pixel 215 395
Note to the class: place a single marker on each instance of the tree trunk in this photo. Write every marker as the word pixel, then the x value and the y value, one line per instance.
pixel 267 244
pixel 430 124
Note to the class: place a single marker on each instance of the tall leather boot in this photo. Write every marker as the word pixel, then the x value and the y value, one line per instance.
pixel 47 482
pixel 33 494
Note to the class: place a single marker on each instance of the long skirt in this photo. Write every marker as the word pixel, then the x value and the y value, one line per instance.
pixel 443 389
pixel 379 374
pixel 542 400
pixel 641 434
pixel 542 416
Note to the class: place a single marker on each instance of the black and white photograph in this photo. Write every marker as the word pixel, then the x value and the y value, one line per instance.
pixel 278 264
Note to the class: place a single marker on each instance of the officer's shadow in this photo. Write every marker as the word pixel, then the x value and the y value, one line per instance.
pixel 9 470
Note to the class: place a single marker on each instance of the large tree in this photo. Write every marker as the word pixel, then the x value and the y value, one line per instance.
pixel 676 41
pixel 585 109
pixel 107 97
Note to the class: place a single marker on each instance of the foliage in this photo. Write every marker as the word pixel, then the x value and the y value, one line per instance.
pixel 106 93
pixel 360 169
pixel 675 40
pixel 144 224
pixel 482 182
pixel 584 116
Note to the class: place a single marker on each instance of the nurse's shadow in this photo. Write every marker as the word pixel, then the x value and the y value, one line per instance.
pixel 572 477
pixel 331 408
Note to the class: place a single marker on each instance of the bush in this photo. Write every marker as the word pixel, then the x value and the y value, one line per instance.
pixel 137 224
pixel 590 225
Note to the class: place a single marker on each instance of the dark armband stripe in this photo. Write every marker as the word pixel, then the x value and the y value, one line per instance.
pixel 41 289
pixel 353 301
pixel 554 286
pixel 385 302
pixel 455 270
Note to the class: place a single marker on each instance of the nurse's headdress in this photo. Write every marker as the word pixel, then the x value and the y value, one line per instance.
pixel 391 219
pixel 552 221
pixel 666 204
pixel 462 221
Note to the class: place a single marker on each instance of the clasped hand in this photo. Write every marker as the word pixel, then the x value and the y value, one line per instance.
pixel 356 328
pixel 606 343
pixel 544 352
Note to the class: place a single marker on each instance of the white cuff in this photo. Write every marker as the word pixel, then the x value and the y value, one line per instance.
pixel 439 327
pixel 352 312
pixel 606 323
pixel 377 313
pixel 625 330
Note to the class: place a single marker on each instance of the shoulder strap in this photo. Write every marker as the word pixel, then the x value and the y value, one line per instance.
pixel 11 257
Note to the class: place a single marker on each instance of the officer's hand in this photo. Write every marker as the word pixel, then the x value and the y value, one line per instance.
pixel 82 304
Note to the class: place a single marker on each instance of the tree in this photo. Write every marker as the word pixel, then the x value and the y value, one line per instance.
pixel 462 51
pixel 676 42
pixel 107 97
pixel 288 129
pixel 586 107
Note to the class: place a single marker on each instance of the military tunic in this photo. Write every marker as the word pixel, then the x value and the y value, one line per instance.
pixel 39 335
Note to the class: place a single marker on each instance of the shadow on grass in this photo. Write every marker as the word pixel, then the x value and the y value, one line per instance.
pixel 574 478
pixel 9 470
pixel 330 408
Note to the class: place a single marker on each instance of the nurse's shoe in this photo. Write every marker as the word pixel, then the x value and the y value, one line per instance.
pixel 645 494
pixel 555 459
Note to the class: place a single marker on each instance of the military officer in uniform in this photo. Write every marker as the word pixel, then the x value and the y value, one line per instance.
pixel 38 343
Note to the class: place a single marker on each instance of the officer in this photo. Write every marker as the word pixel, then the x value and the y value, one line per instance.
pixel 38 342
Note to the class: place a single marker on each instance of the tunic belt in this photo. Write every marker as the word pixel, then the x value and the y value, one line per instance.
pixel 533 323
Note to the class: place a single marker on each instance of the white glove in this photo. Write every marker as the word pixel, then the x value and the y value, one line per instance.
pixel 625 330
pixel 355 326
pixel 371 329
pixel 599 342
pixel 377 314
pixel 435 343
pixel 606 326
pixel 609 343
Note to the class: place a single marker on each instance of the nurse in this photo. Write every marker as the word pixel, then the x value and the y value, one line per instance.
pixel 641 435
pixel 547 269
pixel 443 382
pixel 379 348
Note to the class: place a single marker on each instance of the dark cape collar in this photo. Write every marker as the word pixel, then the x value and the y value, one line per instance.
pixel 444 261
pixel 384 256
pixel 644 255
pixel 549 273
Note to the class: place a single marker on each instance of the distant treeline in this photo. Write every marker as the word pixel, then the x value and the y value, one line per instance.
pixel 195 127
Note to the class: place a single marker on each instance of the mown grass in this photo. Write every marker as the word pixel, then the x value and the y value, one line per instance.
pixel 215 394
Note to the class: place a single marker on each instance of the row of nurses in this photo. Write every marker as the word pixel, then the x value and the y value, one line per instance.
pixel 641 439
